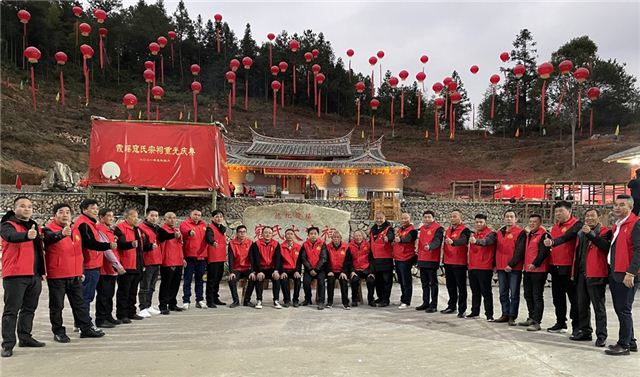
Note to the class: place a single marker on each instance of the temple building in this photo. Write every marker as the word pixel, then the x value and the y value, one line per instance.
pixel 314 169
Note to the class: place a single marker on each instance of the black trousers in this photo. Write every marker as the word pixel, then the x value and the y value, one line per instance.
pixel 21 296
pixel 355 287
pixel 126 294
pixel 344 288
pixel 384 283
pixel 429 280
pixel 72 288
pixel 148 283
pixel 104 301
pixel 306 284
pixel 169 286
pixel 480 284
pixel 587 294
pixel 622 303
pixel 260 286
pixel 456 286
pixel 284 286
pixel 533 293
pixel 561 288
pixel 215 270
pixel 233 286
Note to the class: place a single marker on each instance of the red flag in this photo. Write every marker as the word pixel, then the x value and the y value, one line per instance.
pixel 18 182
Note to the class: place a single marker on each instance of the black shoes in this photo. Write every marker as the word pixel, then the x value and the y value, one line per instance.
pixel 114 321
pixel 526 323
pixel 296 303
pixel 581 336
pixel 601 342
pixel 448 311
pixel 91 333
pixel 354 304
pixel 372 303
pixel 249 304
pixel 321 307
pixel 125 320
pixel 382 304
pixel 7 352
pixel 175 309
pixel 461 315
pixel 234 304
pixel 431 310
pixel 61 338
pixel 422 307
pixel 633 347
pixel 137 318
pixel 472 315
pixel 105 324
pixel 218 302
pixel 558 327
pixel 512 321
pixel 305 303
pixel 209 305
pixel 165 312
pixel 30 343
pixel 502 319
pixel 617 350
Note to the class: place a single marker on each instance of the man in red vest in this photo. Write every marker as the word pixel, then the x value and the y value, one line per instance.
pixel 381 236
pixel 624 262
pixel 172 263
pixel 509 278
pixel 93 248
pixel 266 263
pixel 314 259
pixel 481 263
pixel 109 272
pixel 130 252
pixel 22 271
pixel 535 256
pixel 152 259
pixel 563 247
pixel 361 260
pixel 291 268
pixel 240 266
pixel 339 265
pixel 430 239
pixel 216 256
pixel 590 273
pixel 404 257
pixel 63 260
pixel 456 245
pixel 195 255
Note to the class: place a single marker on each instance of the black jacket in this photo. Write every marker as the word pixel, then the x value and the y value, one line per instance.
pixel 10 234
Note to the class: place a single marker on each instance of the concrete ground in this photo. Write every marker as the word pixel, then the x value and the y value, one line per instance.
pixel 306 342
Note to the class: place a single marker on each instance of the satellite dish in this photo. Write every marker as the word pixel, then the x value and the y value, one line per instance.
pixel 336 179
pixel 110 170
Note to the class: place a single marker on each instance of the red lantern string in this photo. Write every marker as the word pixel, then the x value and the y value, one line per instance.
pixel 148 100
pixel 319 100
pixel 453 123
pixel 436 123
pixel 172 59
pixel 157 111
pixel 402 102
pixel 294 79
pixel 101 47
pixel 229 102
pixel 86 80
pixel 246 94
pixel 308 86
pixel 315 89
pixel 195 107
pixel 517 96
pixel 563 89
pixel 358 112
pixel 591 122
pixel 33 87
pixel 419 98
pixel 493 98
pixel 218 38
pixel 392 127
pixel 580 109
pixel 24 42
pixel 542 106
pixel 282 93
pixel 373 125
pixel 161 69
pixel 61 87
pixel 373 86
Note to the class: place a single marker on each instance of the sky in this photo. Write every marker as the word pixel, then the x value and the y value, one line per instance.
pixel 454 35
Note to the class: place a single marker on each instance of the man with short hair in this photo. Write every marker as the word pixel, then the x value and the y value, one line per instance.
pixel 624 262
pixel 63 259
pixel 240 266
pixel 339 264
pixel 111 268
pixel 216 246
pixel 361 268
pixel 195 254
pixel 172 263
pixel 404 257
pixel 22 271
pixel 430 239
pixel 509 278
pixel 266 263
pixel 481 263
pixel 129 239
pixel 381 236
pixel 563 247
pixel 634 187
pixel 456 245
pixel 314 259
pixel 291 269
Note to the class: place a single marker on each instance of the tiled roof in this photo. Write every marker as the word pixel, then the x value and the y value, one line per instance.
pixel 269 146
pixel 624 156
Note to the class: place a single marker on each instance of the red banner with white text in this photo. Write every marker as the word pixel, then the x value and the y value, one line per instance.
pixel 157 155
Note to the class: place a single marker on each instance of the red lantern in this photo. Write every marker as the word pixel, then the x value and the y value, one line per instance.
pixel 374 103
pixel 275 86
pixel 474 69
pixel 308 56
pixel 85 29
pixel 247 62
pixel 594 94
pixel 315 52
pixel 103 32
pixel 157 92
pixel 320 78
pixel 455 98
pixel 231 77
pixel 350 53
pixel 24 16
pixel 154 48
pixel 271 36
pixel 172 35
pixel 373 60
pixel 380 54
pixel 439 103
pixel 217 17
pixel 421 76
pixel 518 71
pixel 437 87
pixel 148 75
pixel 275 70
pixel 504 56
pixel 129 101
pixel 494 79
pixel 87 51
pixel 581 74
pixel 565 67
pixel 403 75
pixel 195 69
pixel 452 85
pixel 424 59
pixel 33 55
pixel 544 71
pixel 77 11
pixel 360 87
pixel 447 80
pixel 234 64
pixel 393 81
pixel 283 66
pixel 100 15
pixel 162 41
pixel 196 87
pixel 61 57
pixel 316 68
pixel 294 45
pixel 149 64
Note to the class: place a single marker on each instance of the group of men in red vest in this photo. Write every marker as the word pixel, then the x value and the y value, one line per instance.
pixel 92 256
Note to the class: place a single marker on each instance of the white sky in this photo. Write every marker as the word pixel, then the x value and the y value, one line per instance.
pixel 455 35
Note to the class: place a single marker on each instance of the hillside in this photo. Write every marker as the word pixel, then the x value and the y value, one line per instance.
pixel 31 141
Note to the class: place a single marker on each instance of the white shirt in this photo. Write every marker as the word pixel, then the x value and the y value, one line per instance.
pixel 615 235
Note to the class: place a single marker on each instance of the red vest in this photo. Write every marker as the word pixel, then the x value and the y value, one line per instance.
pixel 531 251
pixel 64 258
pixel 404 251
pixel 240 255
pixel 336 256
pixel 624 244
pixel 194 247
pixel 289 255
pixel 562 255
pixel 128 257
pixel 18 258
pixel 379 248
pixel 506 246
pixel 267 252
pixel 171 249
pixel 359 255
pixel 425 237
pixel 456 255
pixel 596 262
pixel 481 257
pixel 107 267
pixel 217 253
pixel 92 258
pixel 151 257
pixel 313 251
